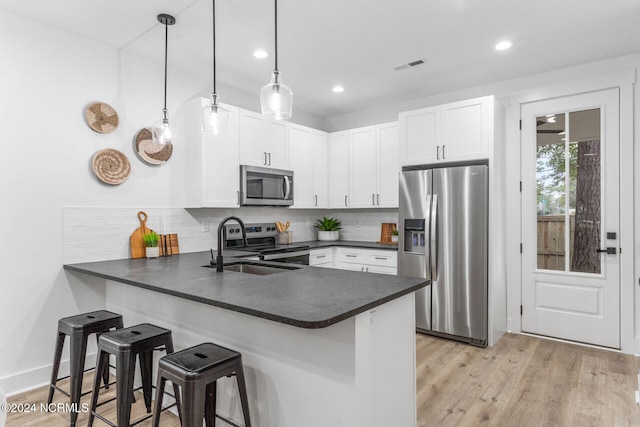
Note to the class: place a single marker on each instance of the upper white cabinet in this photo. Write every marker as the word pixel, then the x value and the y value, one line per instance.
pixel 373 167
pixel 211 172
pixel 450 132
pixel 339 169
pixel 308 160
pixel 263 142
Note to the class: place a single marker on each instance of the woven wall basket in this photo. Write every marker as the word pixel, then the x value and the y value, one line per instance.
pixel 111 166
pixel 102 117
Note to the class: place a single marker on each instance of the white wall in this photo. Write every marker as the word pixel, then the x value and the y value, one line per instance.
pixel 47 79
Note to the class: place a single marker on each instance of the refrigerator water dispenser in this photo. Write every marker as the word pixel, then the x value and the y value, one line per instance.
pixel 414 236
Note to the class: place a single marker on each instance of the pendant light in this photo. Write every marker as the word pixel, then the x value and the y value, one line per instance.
pixel 276 98
pixel 214 117
pixel 160 131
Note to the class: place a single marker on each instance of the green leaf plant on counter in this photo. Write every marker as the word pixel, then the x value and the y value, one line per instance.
pixel 328 224
pixel 151 239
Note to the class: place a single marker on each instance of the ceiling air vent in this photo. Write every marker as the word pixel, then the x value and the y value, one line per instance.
pixel 410 64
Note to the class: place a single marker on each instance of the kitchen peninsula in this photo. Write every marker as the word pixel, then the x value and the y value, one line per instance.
pixel 320 347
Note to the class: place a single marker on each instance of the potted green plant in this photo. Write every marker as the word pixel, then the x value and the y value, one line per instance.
pixel 328 228
pixel 151 240
pixel 394 235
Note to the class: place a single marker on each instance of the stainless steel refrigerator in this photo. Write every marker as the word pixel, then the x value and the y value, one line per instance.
pixel 443 224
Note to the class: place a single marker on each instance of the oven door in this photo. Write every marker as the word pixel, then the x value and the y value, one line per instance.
pixel 265 186
pixel 290 256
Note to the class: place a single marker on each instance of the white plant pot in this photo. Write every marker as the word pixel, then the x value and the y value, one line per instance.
pixel 328 235
pixel 394 239
pixel 152 252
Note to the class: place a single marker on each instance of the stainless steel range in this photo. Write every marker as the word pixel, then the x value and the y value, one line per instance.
pixel 261 238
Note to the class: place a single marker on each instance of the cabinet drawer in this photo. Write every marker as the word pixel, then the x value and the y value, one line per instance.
pixel 321 256
pixel 383 259
pixel 351 256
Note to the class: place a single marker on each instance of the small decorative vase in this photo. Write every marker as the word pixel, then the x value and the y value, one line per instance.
pixel 328 235
pixel 394 238
pixel 152 252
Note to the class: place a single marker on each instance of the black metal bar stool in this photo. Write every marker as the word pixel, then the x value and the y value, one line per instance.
pixel 139 340
pixel 78 328
pixel 196 371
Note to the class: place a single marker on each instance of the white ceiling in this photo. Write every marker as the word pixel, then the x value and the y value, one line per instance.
pixel 356 43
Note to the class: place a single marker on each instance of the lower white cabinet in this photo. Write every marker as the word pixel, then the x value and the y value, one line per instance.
pixel 367 260
pixel 321 257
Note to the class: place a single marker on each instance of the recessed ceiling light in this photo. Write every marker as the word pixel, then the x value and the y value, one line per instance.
pixel 338 89
pixel 260 54
pixel 503 45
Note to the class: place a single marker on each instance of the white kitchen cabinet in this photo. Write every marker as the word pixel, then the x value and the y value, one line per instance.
pixel 320 169
pixel 450 132
pixel 339 169
pixel 367 260
pixel 263 141
pixel 373 166
pixel 308 160
pixel 362 167
pixel 322 257
pixel 211 165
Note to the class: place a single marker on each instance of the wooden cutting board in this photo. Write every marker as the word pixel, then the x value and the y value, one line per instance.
pixel 136 241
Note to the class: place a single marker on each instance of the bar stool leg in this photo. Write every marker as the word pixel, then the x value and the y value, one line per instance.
pixel 57 356
pixel 176 388
pixel 101 364
pixel 210 405
pixel 192 417
pixel 244 399
pixel 160 383
pixel 105 374
pixel 78 354
pixel 125 370
pixel 146 369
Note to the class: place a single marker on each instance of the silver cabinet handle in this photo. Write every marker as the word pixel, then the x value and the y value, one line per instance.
pixel 345 200
pixel 367 270
pixel 378 199
pixel 351 256
pixel 433 253
pixel 382 258
pixel 373 199
pixel 270 157
pixel 315 203
pixel 437 152
pixel 320 256
pixel 443 153
pixel 265 158
pixel 239 201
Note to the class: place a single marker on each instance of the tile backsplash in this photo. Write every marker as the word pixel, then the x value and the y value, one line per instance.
pixel 102 233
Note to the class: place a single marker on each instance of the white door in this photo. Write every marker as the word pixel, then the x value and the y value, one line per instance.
pixel 362 167
pixel 570 214
pixel 300 160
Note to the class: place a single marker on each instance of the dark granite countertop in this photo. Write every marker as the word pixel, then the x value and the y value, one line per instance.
pixel 306 297
pixel 316 244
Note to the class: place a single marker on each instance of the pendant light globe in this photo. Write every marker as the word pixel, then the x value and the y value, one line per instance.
pixel 276 98
pixel 215 118
pixel 160 130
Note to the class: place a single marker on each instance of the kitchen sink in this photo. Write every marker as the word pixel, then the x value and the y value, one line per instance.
pixel 254 268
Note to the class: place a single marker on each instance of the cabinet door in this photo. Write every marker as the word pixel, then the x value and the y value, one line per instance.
pixel 276 143
pixel 388 165
pixel 339 167
pixel 209 159
pixel 301 161
pixel 418 132
pixel 362 167
pixel 251 137
pixel 464 134
pixel 320 169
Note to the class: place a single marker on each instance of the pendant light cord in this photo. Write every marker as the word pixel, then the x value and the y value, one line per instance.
pixel 214 46
pixel 276 28
pixel 166 44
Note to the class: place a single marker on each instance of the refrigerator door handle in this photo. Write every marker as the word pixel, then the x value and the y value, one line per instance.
pixel 433 238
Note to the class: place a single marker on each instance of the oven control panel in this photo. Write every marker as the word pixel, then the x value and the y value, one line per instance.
pixel 256 230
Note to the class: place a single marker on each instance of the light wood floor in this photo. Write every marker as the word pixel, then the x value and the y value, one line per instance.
pixel 521 381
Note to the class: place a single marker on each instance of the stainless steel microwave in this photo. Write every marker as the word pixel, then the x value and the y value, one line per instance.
pixel 265 186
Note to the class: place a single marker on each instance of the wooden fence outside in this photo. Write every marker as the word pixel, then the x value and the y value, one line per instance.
pixel 551 248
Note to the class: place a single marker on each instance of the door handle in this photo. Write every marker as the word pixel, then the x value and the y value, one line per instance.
pixel 373 199
pixel 443 153
pixel 269 159
pixel 378 199
pixel 287 187
pixel 433 250
pixel 437 152
pixel 608 251
pixel 345 200
pixel 316 200
pixel 265 158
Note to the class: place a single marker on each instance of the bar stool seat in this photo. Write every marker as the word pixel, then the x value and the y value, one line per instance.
pixel 196 371
pixel 78 328
pixel 127 343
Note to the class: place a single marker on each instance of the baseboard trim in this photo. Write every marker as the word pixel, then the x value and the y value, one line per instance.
pixel 38 377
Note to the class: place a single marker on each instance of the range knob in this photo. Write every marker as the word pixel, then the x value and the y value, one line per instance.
pixel 231 231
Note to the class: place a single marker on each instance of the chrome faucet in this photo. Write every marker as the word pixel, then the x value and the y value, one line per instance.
pixel 219 261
